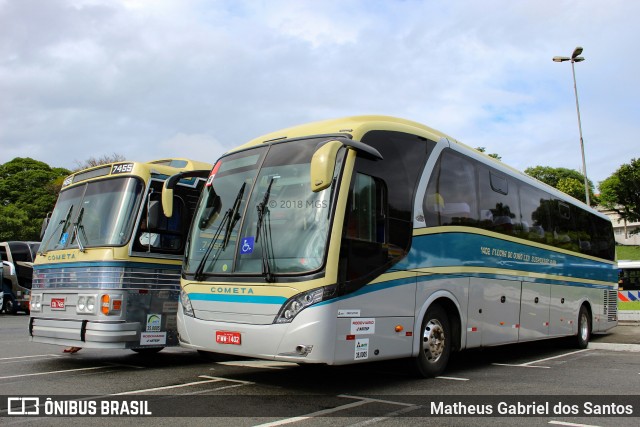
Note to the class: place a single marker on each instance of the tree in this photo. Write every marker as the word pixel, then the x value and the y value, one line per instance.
pixel 494 155
pixel 568 181
pixel 621 192
pixel 28 191
pixel 97 161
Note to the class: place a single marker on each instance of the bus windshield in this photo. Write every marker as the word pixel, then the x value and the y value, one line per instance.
pixel 260 216
pixel 98 213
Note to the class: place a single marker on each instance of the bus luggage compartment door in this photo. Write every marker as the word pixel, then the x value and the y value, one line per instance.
pixel 494 312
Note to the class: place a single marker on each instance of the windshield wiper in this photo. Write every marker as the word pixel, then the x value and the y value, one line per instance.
pixel 53 233
pixel 77 228
pixel 227 224
pixel 267 243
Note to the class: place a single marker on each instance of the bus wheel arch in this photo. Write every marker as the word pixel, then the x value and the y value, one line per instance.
pixel 438 337
pixel 584 326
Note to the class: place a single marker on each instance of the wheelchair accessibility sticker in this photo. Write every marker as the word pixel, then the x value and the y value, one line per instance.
pixel 246 247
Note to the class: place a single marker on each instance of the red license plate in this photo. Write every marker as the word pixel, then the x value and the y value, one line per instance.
pixel 225 337
pixel 57 304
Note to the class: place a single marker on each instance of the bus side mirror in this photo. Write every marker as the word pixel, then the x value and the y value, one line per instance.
pixel 171 182
pixel 323 163
pixel 153 215
pixel 167 201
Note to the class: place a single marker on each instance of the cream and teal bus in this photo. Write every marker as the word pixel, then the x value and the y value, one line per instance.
pixel 371 238
pixel 107 273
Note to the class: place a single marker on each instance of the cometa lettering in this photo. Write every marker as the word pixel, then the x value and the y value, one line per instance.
pixel 230 290
pixel 61 257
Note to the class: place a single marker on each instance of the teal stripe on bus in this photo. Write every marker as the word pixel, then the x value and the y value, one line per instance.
pixel 243 299
pixel 458 249
pixel 124 264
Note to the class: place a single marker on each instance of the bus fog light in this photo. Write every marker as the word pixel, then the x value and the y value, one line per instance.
pixel 187 308
pixel 36 303
pixel 91 304
pixel 303 349
pixel 299 302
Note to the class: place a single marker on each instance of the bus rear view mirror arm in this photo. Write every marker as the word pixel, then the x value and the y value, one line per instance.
pixel 324 160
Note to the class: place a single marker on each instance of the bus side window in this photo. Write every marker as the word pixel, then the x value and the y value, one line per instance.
pixel 450 198
pixel 366 215
pixel 167 235
pixel 499 204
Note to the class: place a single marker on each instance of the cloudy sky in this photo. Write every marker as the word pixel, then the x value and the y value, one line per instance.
pixel 149 79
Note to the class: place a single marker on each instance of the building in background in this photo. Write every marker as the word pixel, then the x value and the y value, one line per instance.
pixel 622 229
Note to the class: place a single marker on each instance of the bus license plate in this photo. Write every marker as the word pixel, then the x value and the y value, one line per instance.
pixel 225 337
pixel 57 304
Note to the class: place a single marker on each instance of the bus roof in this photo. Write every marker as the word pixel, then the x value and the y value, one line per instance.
pixel 357 126
pixel 166 167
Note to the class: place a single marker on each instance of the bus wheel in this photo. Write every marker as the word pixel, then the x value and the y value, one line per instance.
pixel 147 351
pixel 584 328
pixel 435 343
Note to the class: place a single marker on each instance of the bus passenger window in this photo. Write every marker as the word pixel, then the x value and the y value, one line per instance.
pixel 499 204
pixel 450 198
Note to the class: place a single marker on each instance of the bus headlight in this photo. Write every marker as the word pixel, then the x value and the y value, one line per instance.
pixel 36 302
pixel 86 304
pixel 187 309
pixel 297 303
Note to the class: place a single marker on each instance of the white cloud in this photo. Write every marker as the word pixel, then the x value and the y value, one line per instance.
pixel 80 78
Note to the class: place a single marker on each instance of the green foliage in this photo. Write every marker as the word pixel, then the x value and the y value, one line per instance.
pixel 621 191
pixel 568 181
pixel 493 155
pixel 28 191
pixel 628 252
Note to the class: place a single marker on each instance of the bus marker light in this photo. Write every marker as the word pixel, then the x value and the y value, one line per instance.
pixel 409 334
pixel 351 337
pixel 399 328
pixel 104 304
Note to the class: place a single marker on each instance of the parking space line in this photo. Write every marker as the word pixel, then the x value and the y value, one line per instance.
pixel 267 364
pixel 27 357
pixel 453 378
pixel 54 372
pixel 225 379
pixel 124 393
pixel 530 364
pixel 314 414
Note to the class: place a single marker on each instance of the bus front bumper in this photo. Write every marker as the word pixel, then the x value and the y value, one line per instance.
pixel 85 333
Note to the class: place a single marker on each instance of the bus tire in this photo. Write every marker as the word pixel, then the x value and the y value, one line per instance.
pixel 147 351
pixel 584 328
pixel 435 343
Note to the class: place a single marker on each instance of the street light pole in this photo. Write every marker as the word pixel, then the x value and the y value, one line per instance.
pixel 576 58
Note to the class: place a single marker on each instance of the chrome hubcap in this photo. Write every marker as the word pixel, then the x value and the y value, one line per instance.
pixel 584 327
pixel 433 341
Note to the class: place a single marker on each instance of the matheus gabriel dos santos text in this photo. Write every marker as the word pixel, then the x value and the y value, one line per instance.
pixel 533 409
